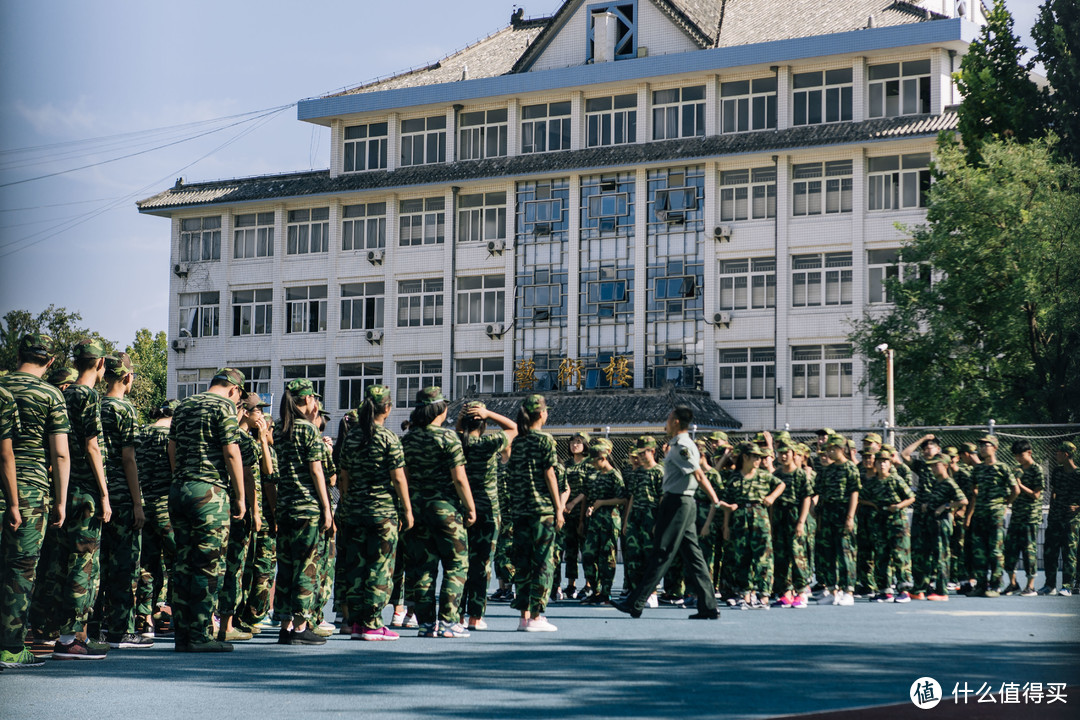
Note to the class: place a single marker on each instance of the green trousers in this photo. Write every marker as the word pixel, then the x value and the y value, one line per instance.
pixel 200 519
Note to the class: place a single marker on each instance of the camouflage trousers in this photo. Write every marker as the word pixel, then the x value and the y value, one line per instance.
pixel 811 542
pixel 568 550
pixel 712 539
pixel 892 551
pixel 1062 538
pixel 534 560
pixel 1022 540
pixel 483 537
pixel 397 595
pixel 259 569
pixel 327 562
pixel 599 555
pixel 751 549
pixel 368 547
pixel 637 544
pixel 158 552
pixel 67 585
pixel 438 538
pixel 298 541
pixel 200 520
pixel 19 553
pixel 341 572
pixel 231 589
pixel 121 548
pixel 987 539
pixel 865 575
pixel 836 548
pixel 791 569
pixel 504 563
pixel 960 549
pixel 932 535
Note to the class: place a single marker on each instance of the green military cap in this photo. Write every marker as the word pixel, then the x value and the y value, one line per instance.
pixel 378 394
pixel 169 406
pixel 836 441
pixel 702 446
pixel 851 444
pixel 952 452
pixel 63 375
pixel 534 403
pixel 782 437
pixel 352 417
pixel 430 396
pixel 1068 448
pixel 38 344
pixel 782 447
pixel 749 448
pixel 325 415
pixel 719 437
pixel 88 349
pixel 887 448
pixel 827 432
pixel 760 438
pixel 991 439
pixel 883 456
pixel 803 449
pixel 939 459
pixel 118 365
pixel 301 387
pixel 252 401
pixel 474 405
pixel 969 447
pixel 231 376
pixel 600 447
pixel 646 442
pixel 871 438
pixel 634 453
pixel 584 437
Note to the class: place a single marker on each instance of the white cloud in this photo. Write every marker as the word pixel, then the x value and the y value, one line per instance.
pixel 51 120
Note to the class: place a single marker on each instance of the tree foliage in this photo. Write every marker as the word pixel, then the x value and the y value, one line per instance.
pixel 997 335
pixel 1057 36
pixel 62 325
pixel 150 356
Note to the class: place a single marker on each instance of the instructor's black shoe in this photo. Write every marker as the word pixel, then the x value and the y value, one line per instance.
pixel 625 607
pixel 706 615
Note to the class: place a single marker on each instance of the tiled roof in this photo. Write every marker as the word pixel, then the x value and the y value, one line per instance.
pixel 690 149
pixel 617 408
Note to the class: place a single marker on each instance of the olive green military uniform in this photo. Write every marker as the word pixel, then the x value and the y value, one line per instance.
pixel 791 567
pixel 931 565
pixel 1063 525
pixel 231 598
pixel 993 484
pixel 534 520
pixel 261 564
pixel 961 548
pixel 644 487
pixel 750 530
pixel 1022 537
pixel 482 470
pixel 155 480
pixel 504 548
pixel 836 545
pixel 892 534
pixel 864 538
pixel 599 554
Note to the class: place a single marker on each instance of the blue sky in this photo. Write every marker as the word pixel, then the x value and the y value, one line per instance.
pixel 73 71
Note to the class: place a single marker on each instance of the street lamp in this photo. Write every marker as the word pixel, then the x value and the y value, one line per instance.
pixel 889 354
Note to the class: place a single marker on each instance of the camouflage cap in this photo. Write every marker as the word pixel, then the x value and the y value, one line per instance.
pixel 301 387
pixel 887 448
pixel 783 447
pixel 878 457
pixel 583 436
pixel 634 453
pixel 719 437
pixel 63 375
pixel 600 447
pixel 430 396
pixel 836 441
pixel 939 459
pixel 352 417
pixel 646 442
pixel 534 403
pixel 1068 448
pixel 803 449
pixel 991 439
pixel 749 448
pixel 969 447
pixel 952 452
pixel 231 376
pixel 169 406
pixel 118 365
pixel 377 394
pixel 325 415
pixel 473 405
pixel 782 437
pixel 827 432
pixel 38 344
pixel 871 438
pixel 88 349
pixel 759 438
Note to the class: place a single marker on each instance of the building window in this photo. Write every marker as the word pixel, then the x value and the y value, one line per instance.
pixel 308 231
pixel 422 221
pixel 482 134
pixel 305 309
pixel 898 182
pixel 611 120
pixel 254 235
pixel 748 283
pixel 420 302
pixel 414 375
pixel 822 97
pixel 479 375
pixel 362 306
pixel 481 299
pixel 200 239
pixel 605 294
pixel 193 382
pixel 625 29
pixel 315 373
pixel 900 89
pixel 353 379
pixel 257 378
pixel 545 127
pixel 679 112
pixel 748 194
pixel 200 313
pixel 748 374
pixel 423 141
pixel 885 265
pixel 810 272
pixel 748 105
pixel 253 312
pixel 365 147
pixel 822 187
pixel 809 363
pixel 482 217
pixel 363 227
pixel 607 206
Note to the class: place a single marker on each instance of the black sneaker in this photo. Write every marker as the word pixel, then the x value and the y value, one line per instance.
pixel 625 607
pixel 210 646
pixel 707 615
pixel 130 641
pixel 307 636
pixel 76 650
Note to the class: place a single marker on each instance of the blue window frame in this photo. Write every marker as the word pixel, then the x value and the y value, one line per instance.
pixel 626 37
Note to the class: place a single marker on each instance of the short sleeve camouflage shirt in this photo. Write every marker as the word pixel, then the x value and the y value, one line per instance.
pixel 533 453
pixel 369 463
pixel 837 481
pixel 84 414
pixel 296 451
pixel 482 466
pixel 42 413
pixel 202 426
pixel 1026 508
pixel 430 454
pixel 152 456
pixel 118 424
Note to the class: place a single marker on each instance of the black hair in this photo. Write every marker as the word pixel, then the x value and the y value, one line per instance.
pixel 82 364
pixel 33 358
pixel 290 413
pixel 424 415
pixel 526 419
pixel 467 423
pixel 683 415
pixel 405 425
pixel 157 414
pixel 1020 446
pixel 365 425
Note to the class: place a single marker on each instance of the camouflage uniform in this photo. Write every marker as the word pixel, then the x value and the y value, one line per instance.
pixel 570 539
pixel 835 544
pixel 369 517
pixel 892 536
pixel 155 480
pixel 482 470
pixel 1062 526
pixel 42 413
pixel 261 563
pixel 791 569
pixel 709 542
pixel 327 548
pixel 867 522
pixel 750 530
pixel 199 510
pixel 932 566
pixel 598 556
pixel 961 548
pixel 504 562
pixel 993 484
pixel 439 535
pixel 231 598
pixel 534 520
pixel 644 488
pixel 1022 537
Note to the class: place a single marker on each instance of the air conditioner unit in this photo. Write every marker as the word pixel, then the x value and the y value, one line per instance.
pixel 374 337
pixel 495 330
pixel 496 247
pixel 181 344
pixel 375 257
pixel 722 233
pixel 180 270
pixel 722 319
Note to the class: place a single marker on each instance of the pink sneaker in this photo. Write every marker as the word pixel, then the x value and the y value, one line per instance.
pixel 356 632
pixel 382 633
pixel 798 602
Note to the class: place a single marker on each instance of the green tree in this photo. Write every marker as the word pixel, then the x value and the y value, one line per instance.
pixel 62 325
pixel 999 97
pixel 1057 36
pixel 997 334
pixel 150 356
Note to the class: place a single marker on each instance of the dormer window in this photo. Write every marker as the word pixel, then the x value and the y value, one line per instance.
pixel 611 32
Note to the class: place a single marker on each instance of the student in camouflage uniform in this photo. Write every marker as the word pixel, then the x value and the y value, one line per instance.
pixel 838 491
pixel 9 430
pixel 577 471
pixel 443 507
pixel 482 452
pixel 644 491
pixel 1022 537
pixel 204 454
pixel 261 564
pixel 789 516
pixel 803 455
pixel 374 507
pixel 994 487
pixel 155 479
pixel 891 496
pixel 708 526
pixel 606 497
pixel 936 503
pixel 41 443
pixel 537 504
pixel 967 458
pixel 1062 523
pixel 866 517
pixel 327 548
pixel 504 561
pixel 303 514
pixel 752 491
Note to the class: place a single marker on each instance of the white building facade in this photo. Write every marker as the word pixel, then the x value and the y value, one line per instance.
pixel 703 193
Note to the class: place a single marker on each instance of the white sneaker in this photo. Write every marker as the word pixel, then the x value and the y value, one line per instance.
pixel 324 625
pixel 523 625
pixel 837 597
pixel 1065 592
pixel 653 601
pixel 539 624
pixel 477 624
pixel 411 621
pixel 846 599
pixel 399 619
